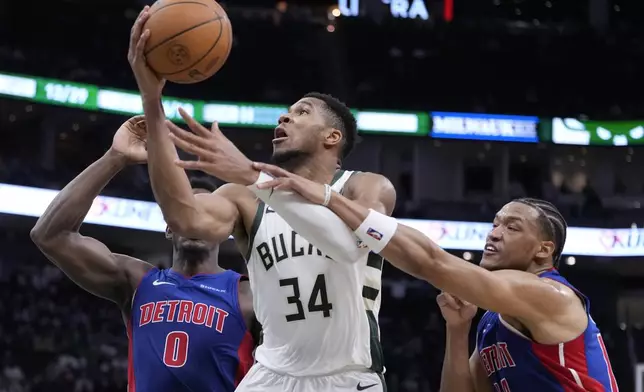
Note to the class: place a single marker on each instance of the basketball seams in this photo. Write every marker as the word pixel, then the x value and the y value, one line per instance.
pixel 221 33
pixel 175 35
pixel 174 50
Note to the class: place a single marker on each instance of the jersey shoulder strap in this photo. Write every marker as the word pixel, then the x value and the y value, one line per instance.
pixel 340 179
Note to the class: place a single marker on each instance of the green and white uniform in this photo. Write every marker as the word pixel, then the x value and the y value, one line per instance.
pixel 319 316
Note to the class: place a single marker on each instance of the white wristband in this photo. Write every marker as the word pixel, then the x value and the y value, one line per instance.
pixel 377 230
pixel 327 195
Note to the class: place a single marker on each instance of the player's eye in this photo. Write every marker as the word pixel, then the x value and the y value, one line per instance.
pixel 513 228
pixel 303 111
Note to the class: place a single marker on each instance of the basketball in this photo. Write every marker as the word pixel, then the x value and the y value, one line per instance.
pixel 189 40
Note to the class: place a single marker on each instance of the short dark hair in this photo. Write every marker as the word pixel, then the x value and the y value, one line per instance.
pixel 202 182
pixel 552 223
pixel 341 119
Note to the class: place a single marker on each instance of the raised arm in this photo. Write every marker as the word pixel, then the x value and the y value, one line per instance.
pixel 208 217
pixel 219 157
pixel 87 261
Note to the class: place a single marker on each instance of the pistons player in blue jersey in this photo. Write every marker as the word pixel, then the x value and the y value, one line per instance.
pixel 189 326
pixel 537 336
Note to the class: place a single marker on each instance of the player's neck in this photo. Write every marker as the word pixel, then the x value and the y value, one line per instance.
pixel 320 169
pixel 189 265
pixel 539 269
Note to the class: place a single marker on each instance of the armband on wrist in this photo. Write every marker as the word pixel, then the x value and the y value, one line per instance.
pixel 377 230
pixel 327 195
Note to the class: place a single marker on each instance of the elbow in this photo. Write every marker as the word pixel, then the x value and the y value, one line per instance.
pixel 183 227
pixel 43 238
pixel 38 235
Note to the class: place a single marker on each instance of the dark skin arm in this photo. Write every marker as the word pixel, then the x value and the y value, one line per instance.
pixel 515 293
pixel 461 372
pixel 477 372
pixel 246 302
pixel 246 305
pixel 87 261
pixel 371 190
pixel 209 217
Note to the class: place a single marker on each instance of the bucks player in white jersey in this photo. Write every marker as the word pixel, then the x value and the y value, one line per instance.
pixel 316 288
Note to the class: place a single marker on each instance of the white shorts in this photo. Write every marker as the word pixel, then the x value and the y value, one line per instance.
pixel 260 379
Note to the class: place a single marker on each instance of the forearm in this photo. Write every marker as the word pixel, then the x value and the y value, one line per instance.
pixel 319 225
pixel 413 252
pixel 170 183
pixel 69 208
pixel 456 376
pixel 402 250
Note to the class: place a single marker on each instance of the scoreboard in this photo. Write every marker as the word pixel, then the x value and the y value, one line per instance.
pixel 428 10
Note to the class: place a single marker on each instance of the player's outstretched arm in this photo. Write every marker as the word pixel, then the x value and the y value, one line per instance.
pixel 514 293
pixel 317 224
pixel 320 226
pixel 88 262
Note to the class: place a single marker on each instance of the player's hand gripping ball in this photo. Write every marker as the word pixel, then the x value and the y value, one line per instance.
pixel 189 40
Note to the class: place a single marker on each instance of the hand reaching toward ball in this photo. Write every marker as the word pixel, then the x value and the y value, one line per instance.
pixel 150 85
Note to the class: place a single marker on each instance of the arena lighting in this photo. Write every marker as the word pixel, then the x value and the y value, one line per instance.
pixel 467 256
pixel 570 260
pixel 335 11
pixel 451 235
pixel 240 114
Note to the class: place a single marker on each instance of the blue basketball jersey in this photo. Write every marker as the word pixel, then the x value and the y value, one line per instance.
pixel 514 362
pixel 187 334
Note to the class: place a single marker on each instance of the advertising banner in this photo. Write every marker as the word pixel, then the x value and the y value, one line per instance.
pixel 454 235
pixel 246 115
pixel 492 127
pixel 597 133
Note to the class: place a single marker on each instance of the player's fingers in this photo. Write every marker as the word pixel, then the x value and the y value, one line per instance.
pixel 176 133
pixel 271 169
pixel 192 165
pixel 277 183
pixel 447 300
pixel 140 46
pixel 137 27
pixel 214 129
pixel 194 125
pixel 191 148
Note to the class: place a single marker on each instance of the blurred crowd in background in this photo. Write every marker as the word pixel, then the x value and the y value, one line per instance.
pixel 569 58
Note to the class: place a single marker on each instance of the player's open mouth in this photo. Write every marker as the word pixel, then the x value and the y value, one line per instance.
pixel 490 249
pixel 280 135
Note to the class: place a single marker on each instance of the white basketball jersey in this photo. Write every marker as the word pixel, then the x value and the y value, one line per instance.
pixel 319 316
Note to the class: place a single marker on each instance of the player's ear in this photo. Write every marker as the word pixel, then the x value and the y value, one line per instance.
pixel 168 233
pixel 546 250
pixel 332 137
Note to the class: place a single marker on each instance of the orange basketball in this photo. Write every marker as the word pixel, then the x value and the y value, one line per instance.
pixel 190 40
